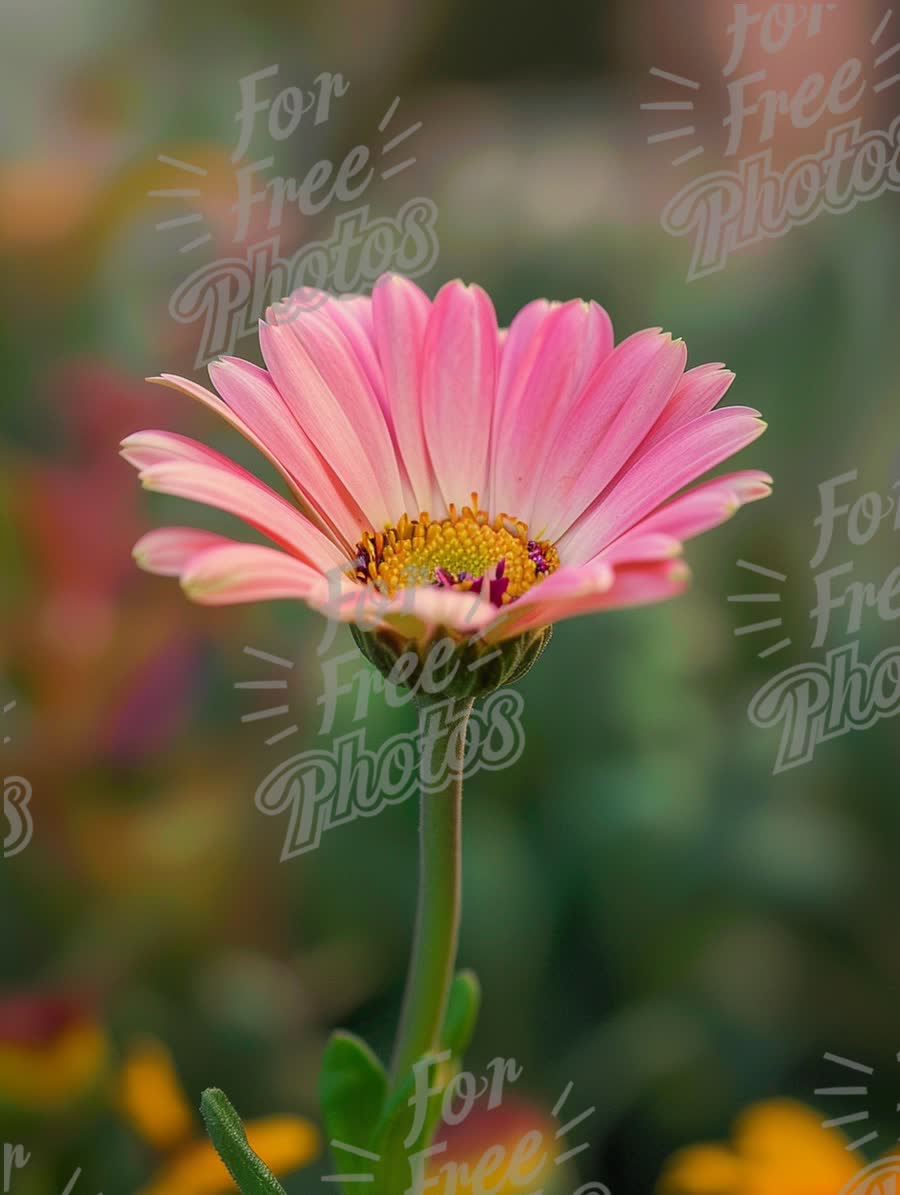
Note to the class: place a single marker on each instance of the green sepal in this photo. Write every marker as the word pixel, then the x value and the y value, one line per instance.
pixel 473 670
pixel 249 1171
pixel 352 1094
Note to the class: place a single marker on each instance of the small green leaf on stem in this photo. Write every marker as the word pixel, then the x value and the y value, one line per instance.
pixel 463 1006
pixel 352 1092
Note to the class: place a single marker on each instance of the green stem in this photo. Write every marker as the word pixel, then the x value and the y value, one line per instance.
pixel 437 918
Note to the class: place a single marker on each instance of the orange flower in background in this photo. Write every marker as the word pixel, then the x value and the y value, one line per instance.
pixel 150 1096
pixel 779 1148
pixel 53 1052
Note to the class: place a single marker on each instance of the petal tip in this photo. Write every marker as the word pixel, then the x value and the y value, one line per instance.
pixel 140 556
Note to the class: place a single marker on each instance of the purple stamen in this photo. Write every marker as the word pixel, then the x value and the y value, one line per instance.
pixel 537 558
pixel 498 584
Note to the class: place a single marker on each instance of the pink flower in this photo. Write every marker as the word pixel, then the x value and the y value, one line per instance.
pixel 447 473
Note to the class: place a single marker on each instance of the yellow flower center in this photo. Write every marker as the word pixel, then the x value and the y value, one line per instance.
pixel 460 552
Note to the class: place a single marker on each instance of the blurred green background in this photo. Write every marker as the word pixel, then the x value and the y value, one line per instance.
pixel 655 915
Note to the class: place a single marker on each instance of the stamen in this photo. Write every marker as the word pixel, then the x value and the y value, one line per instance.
pixel 536 555
pixel 463 551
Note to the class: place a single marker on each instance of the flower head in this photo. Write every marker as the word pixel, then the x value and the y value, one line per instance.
pixel 450 475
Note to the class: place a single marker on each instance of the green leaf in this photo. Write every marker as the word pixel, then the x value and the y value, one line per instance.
pixel 352 1091
pixel 359 1111
pixel 463 1007
pixel 252 1175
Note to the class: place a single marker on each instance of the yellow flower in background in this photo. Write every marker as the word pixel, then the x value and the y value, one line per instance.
pixel 779 1148
pixel 150 1096
pixel 53 1052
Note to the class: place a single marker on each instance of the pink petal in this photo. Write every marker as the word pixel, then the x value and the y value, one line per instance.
pixel 226 487
pixel 353 315
pixel 632 585
pixel 337 423
pixel 168 550
pixel 565 585
pixel 400 314
pixel 697 393
pixel 701 389
pixel 236 573
pixel 682 457
pixel 416 612
pixel 620 402
pixel 321 338
pixel 706 506
pixel 250 392
pixel 287 448
pixel 640 546
pixel 642 584
pixel 539 386
pixel 519 346
pixel 459 375
pixel 215 404
pixel 147 448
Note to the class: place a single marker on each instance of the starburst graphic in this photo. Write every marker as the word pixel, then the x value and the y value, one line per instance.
pixel 391 145
pixel 846 1091
pixel 894 471
pixel 762 598
pixel 182 193
pixel 886 56
pixel 278 685
pixel 73 1182
pixel 682 105
pixel 343 1147
pixel 186 193
pixel 8 709
pixel 565 1129
pixel 559 1135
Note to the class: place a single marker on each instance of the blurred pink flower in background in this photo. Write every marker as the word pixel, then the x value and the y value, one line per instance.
pixel 506 1149
pixel 777 48
pixel 106 671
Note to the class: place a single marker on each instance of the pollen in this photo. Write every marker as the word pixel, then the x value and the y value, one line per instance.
pixel 463 552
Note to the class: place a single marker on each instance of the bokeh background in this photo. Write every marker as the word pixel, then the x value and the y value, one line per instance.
pixel 655 916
